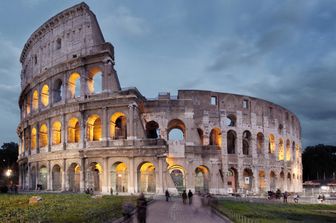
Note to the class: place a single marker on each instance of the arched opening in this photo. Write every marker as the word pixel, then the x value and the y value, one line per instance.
pixel 94 128
pixel 43 135
pixel 289 182
pixel 33 138
pixel 176 130
pixel 74 85
pixel 271 144
pixel 288 154
pixel 118 126
pixel 35 100
pixel 280 129
pixel 216 137
pixel 248 179
pixel 232 180
pixel 43 174
pixel 282 181
pixel 262 182
pixel 293 150
pixel 119 177
pixel 260 143
pixel 146 178
pixel 74 177
pixel 94 173
pixel 246 142
pixel 297 152
pixel 56 133
pixel 177 173
pixel 73 130
pixel 28 104
pixel 152 130
pixel 56 178
pixel 45 95
pixel 231 120
pixel 201 136
pixel 281 150
pixel 57 90
pixel 94 81
pixel 272 181
pixel 231 142
pixel 32 178
pixel 202 179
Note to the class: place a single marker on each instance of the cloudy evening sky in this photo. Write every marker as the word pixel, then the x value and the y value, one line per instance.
pixel 281 51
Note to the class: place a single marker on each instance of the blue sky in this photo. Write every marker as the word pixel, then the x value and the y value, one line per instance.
pixel 282 51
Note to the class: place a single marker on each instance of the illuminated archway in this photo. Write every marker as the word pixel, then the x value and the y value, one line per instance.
pixel 56 133
pixel 281 150
pixel 288 153
pixel 35 100
pixel 119 177
pixel 260 143
pixel 28 104
pixel 94 176
pixel 177 173
pixel 43 176
pixel 74 85
pixel 56 178
pixel 94 81
pixel 202 179
pixel 262 182
pixel 94 128
pixel 271 144
pixel 216 137
pixel 43 135
pixel 146 178
pixel 73 130
pixel 45 95
pixel 118 126
pixel 74 177
pixel 273 181
pixel 33 138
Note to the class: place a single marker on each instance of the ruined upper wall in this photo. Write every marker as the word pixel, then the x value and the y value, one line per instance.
pixel 70 34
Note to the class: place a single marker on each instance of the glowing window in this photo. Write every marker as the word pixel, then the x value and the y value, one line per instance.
pixel 94 130
pixel 33 138
pixel 45 95
pixel 73 130
pixel 43 135
pixel 74 85
pixel 35 100
pixel 56 133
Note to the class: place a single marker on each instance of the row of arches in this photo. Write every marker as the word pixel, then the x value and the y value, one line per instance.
pixel 118 130
pixel 55 91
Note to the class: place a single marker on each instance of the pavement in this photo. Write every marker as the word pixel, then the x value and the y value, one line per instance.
pixel 175 211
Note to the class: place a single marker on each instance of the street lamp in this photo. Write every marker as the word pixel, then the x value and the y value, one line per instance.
pixel 8 173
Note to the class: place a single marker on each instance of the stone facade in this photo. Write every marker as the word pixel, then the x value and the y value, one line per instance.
pixel 80 130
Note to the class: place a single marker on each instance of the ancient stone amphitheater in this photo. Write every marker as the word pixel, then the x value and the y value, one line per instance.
pixel 79 129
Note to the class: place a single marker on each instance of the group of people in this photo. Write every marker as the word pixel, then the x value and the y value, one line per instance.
pixel 185 196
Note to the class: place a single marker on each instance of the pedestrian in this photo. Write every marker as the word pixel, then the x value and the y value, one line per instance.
pixel 190 195
pixel 167 195
pixel 184 197
pixel 285 195
pixel 296 198
pixel 141 208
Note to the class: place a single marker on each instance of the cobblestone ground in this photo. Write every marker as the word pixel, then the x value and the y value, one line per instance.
pixel 175 211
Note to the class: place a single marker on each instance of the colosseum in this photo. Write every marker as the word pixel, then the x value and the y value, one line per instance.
pixel 79 129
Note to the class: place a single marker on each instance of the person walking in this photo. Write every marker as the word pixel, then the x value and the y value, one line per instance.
pixel 184 197
pixel 190 195
pixel 141 208
pixel 167 195
pixel 285 195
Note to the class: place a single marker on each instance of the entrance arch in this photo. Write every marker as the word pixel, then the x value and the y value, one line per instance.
pixel 33 178
pixel 272 181
pixel 177 174
pixel 56 178
pixel 248 179
pixel 262 183
pixel 119 177
pixel 202 179
pixel 43 174
pixel 94 176
pixel 146 177
pixel 74 177
pixel 232 175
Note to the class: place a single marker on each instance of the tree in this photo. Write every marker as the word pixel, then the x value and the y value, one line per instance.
pixel 8 160
pixel 319 162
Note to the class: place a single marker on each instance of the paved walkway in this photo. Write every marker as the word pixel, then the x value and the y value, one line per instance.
pixel 176 212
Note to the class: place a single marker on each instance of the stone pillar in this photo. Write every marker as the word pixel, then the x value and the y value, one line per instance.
pixel 104 127
pixel 159 188
pixel 65 89
pixel 83 84
pixel 29 174
pixel 130 122
pixel 83 130
pixel 49 177
pixel 37 181
pixel 64 132
pixel 37 137
pixel 49 134
pixel 64 176
pixel 224 165
pixel 239 152
pixel 105 186
pixel 132 186
pixel 82 175
pixel 256 180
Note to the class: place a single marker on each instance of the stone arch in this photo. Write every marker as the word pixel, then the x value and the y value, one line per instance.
pixel 152 130
pixel 271 144
pixel 281 153
pixel 35 100
pixel 288 153
pixel 118 126
pixel 43 176
pixel 45 95
pixel 32 178
pixel 57 90
pixel 201 136
pixel 289 182
pixel 216 137
pixel 28 104
pixel 247 137
pixel 73 130
pixel 94 176
pixel 231 142
pixel 119 177
pixel 231 120
pixel 293 151
pixel 176 130
pixel 74 177
pixel 282 181
pixel 178 175
pixel 94 128
pixel 248 179
pixel 260 143
pixel 95 80
pixel 56 133
pixel 273 179
pixel 262 181
pixel 43 133
pixel 146 177
pixel 202 179
pixel 232 175
pixel 56 178
pixel 74 85
pixel 33 139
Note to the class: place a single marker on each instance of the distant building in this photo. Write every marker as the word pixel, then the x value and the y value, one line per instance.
pixel 79 129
